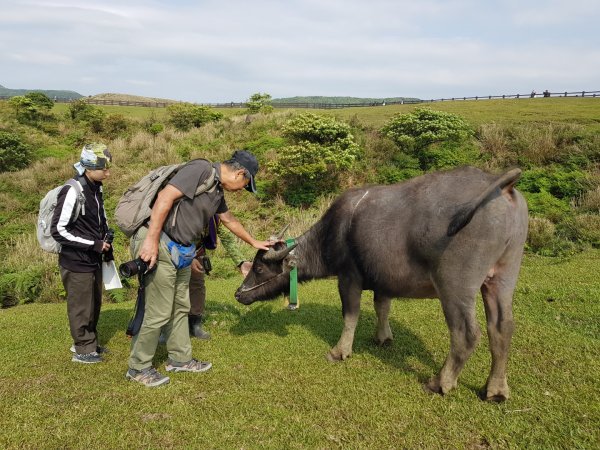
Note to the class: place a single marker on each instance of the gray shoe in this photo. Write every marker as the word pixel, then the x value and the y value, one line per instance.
pixel 87 358
pixel 99 349
pixel 193 365
pixel 149 377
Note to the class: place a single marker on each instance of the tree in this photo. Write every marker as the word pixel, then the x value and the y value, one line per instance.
pixel 40 100
pixel 259 103
pixel 14 153
pixel 31 107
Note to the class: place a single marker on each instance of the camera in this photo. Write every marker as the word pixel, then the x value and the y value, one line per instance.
pixel 110 236
pixel 206 264
pixel 133 267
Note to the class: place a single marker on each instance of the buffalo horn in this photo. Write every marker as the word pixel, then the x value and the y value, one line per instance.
pixel 278 255
pixel 279 235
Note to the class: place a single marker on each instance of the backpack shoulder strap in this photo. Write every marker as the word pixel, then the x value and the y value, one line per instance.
pixel 80 203
pixel 209 184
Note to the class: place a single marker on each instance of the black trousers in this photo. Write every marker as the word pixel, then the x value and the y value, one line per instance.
pixel 84 299
pixel 197 292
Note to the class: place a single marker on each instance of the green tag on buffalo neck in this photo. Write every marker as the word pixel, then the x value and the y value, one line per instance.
pixel 293 280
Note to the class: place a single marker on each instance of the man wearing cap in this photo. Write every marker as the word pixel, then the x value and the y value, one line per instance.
pixel 84 246
pixel 179 217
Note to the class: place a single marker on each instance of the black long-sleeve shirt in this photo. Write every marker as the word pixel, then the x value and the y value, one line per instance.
pixel 82 239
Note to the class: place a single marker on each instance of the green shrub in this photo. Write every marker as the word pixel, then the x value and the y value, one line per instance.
pixel 424 126
pixel 259 103
pixel 79 111
pixel 434 137
pixel 317 129
pixel 404 161
pixel 541 232
pixel 185 116
pixel 263 144
pixel 115 125
pixel 32 107
pixel 14 153
pixel 590 201
pixel 446 155
pixel 400 167
pixel 583 228
pixel 322 148
pixel 24 286
pixel 392 174
pixel 546 205
pixel 561 183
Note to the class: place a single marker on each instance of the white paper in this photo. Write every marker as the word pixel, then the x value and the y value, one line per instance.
pixel 110 276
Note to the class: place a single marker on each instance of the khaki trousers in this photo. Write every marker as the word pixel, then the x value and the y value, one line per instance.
pixel 167 305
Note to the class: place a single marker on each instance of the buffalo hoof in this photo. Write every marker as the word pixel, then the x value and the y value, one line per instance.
pixel 497 397
pixel 495 391
pixel 383 343
pixel 434 386
pixel 335 355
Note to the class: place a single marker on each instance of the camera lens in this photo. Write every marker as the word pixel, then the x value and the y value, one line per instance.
pixel 129 268
pixel 134 267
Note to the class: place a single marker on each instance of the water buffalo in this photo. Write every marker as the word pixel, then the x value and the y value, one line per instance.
pixel 442 235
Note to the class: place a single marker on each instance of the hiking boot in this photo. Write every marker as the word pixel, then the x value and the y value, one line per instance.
pixel 193 365
pixel 149 377
pixel 86 358
pixel 99 349
pixel 195 323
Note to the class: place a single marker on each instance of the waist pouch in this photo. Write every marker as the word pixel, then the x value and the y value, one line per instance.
pixel 181 255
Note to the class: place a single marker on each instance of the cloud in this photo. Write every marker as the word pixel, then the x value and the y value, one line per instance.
pixel 215 51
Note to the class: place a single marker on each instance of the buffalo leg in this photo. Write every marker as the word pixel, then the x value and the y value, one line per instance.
pixel 459 311
pixel 497 293
pixel 350 292
pixel 382 304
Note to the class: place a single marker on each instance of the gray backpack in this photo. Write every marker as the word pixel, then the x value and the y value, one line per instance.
pixel 135 206
pixel 47 207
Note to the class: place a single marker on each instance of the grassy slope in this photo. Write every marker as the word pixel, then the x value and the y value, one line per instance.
pixel 271 387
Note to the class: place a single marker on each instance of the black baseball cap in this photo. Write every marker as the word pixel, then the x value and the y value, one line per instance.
pixel 248 160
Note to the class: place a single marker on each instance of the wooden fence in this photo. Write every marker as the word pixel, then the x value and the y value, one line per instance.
pixel 545 94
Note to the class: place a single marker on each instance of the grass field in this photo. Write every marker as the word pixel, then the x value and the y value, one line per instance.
pixel 271 386
pixel 583 111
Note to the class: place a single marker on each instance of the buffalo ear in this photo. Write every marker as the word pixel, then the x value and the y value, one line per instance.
pixel 291 260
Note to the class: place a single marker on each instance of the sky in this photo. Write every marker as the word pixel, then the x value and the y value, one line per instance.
pixel 214 51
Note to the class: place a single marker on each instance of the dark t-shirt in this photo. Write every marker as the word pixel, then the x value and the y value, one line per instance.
pixel 193 213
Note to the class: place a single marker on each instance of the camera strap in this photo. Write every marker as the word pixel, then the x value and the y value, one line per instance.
pixel 133 328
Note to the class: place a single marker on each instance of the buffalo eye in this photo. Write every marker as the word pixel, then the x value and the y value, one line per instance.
pixel 258 269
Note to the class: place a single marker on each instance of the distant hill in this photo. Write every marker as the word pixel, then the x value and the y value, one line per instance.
pixel 341 100
pixel 6 92
pixel 130 98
